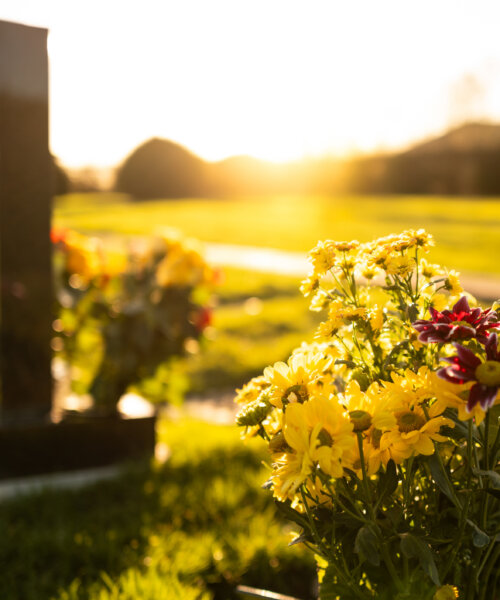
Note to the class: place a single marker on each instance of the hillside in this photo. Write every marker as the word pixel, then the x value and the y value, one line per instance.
pixel 464 161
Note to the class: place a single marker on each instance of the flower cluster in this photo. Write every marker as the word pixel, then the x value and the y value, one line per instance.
pixel 123 313
pixel 371 436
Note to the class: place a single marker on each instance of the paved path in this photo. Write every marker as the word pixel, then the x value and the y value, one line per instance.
pixel 269 260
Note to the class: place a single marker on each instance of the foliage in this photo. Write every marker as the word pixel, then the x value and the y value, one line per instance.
pixel 127 312
pixel 384 431
pixel 191 528
pixel 466 228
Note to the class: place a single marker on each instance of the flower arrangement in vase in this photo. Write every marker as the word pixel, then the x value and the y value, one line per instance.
pixel 383 431
pixel 128 312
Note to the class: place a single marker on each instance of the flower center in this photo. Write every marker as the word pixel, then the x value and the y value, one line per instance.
pixel 488 373
pixel 461 323
pixel 409 421
pixel 376 436
pixel 296 393
pixel 360 419
pixel 325 439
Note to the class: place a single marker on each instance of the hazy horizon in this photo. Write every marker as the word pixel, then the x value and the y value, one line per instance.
pixel 277 81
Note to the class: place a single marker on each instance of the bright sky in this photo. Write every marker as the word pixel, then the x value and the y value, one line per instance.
pixel 276 79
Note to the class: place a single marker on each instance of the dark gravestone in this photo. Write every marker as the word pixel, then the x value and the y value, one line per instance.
pixel 25 251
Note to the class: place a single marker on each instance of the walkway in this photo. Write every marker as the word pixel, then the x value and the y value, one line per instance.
pixel 269 260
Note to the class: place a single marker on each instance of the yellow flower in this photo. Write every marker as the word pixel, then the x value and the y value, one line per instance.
pixel 414 434
pixel 400 265
pixel 452 284
pixel 376 317
pixel 446 592
pixel 292 382
pixel 328 429
pixel 439 302
pixel 251 390
pixel 429 270
pixel 83 256
pixel 323 257
pixel 309 285
pixel 374 403
pixel 419 238
pixel 319 301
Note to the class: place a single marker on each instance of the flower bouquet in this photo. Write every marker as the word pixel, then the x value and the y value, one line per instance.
pixel 123 314
pixel 383 432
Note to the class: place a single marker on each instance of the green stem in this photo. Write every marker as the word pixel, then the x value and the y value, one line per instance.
pixel 492 563
pixel 365 483
pixel 457 542
pixel 383 548
pixel 357 592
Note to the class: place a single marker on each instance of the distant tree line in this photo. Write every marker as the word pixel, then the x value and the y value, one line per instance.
pixel 465 161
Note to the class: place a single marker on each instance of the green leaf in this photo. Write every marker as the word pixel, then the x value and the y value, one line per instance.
pixel 414 547
pixel 495 493
pixel 412 312
pixel 331 589
pixel 479 538
pixel 461 429
pixel 440 478
pixel 292 515
pixel 366 544
pixel 493 476
pixel 348 363
pixel 388 482
pixel 300 539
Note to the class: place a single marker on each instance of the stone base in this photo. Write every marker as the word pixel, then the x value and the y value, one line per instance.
pixel 69 445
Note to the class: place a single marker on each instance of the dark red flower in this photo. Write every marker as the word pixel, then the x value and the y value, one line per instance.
pixel 203 318
pixel 457 324
pixel 466 366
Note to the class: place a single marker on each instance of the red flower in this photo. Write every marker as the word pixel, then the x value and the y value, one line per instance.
pixel 203 318
pixel 58 234
pixel 459 323
pixel 466 366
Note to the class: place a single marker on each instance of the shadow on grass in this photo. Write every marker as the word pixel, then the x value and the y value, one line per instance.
pixel 201 517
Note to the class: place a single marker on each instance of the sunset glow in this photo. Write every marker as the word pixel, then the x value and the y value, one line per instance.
pixel 276 80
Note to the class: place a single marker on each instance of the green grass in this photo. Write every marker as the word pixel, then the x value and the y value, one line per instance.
pixel 190 529
pixel 466 229
pixel 260 319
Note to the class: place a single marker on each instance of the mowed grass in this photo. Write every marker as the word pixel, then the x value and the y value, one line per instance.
pixel 192 528
pixel 260 318
pixel 467 230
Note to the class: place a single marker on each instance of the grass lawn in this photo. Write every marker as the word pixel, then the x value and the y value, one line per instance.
pixel 467 230
pixel 189 529
pixel 260 319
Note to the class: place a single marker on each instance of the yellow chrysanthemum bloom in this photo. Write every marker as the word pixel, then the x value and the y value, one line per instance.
pixel 329 432
pixel 400 265
pixel 429 270
pixel 371 407
pixel 452 284
pixel 323 257
pixel 419 238
pixel 414 389
pixel 309 285
pixel 251 390
pixel 414 434
pixel 293 382
pixel 83 256
pixel 182 266
pixel 439 302
pixel 446 592
pixel 376 318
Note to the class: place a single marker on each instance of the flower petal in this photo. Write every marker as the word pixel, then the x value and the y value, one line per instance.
pixel 467 358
